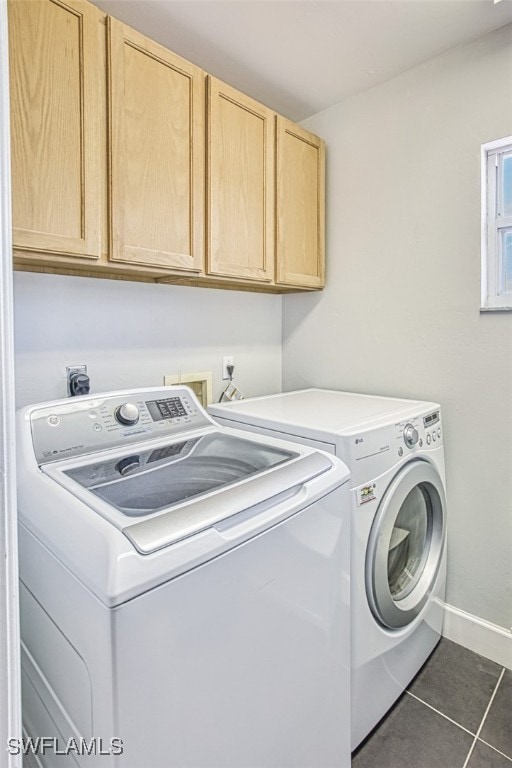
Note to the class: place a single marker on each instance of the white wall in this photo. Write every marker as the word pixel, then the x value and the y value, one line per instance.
pixel 400 315
pixel 132 334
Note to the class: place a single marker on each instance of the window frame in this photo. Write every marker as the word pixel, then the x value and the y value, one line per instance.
pixel 493 225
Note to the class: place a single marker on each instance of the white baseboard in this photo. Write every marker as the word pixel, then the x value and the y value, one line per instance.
pixel 478 635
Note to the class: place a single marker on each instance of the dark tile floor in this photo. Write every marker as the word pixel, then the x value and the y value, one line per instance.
pixel 456 713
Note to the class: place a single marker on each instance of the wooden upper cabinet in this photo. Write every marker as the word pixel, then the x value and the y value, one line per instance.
pixel 122 165
pixel 240 185
pixel 300 231
pixel 56 66
pixel 156 121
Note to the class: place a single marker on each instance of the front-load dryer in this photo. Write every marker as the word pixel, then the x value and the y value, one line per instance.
pixel 180 599
pixel 394 450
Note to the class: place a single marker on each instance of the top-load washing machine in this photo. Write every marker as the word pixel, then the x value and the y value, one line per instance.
pixel 394 450
pixel 180 598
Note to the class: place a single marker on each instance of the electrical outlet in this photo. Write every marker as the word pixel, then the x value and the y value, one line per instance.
pixel 227 360
pixel 71 371
pixel 75 369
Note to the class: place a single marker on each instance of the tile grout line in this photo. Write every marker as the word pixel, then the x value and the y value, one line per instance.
pixel 495 749
pixel 484 717
pixel 437 711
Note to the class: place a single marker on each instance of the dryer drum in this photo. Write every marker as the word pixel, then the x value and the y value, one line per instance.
pixel 405 546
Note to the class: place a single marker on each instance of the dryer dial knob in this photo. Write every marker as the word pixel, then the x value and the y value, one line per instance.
pixel 127 413
pixel 411 436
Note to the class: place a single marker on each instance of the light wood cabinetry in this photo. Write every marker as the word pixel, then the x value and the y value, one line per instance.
pixel 240 185
pixel 300 233
pixel 125 166
pixel 57 65
pixel 156 152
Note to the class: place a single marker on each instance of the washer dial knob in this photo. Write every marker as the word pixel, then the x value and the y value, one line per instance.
pixel 127 465
pixel 411 436
pixel 127 413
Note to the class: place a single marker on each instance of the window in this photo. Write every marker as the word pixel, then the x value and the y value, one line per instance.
pixel 497 224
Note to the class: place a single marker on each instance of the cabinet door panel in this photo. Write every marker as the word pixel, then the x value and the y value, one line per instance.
pixel 300 206
pixel 157 153
pixel 56 111
pixel 240 185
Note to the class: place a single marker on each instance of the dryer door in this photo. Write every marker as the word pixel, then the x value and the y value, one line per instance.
pixel 405 546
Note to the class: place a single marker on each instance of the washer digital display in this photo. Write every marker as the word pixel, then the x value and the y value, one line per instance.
pixel 170 408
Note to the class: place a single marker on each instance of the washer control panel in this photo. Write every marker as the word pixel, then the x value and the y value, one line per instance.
pixel 78 426
pixel 127 413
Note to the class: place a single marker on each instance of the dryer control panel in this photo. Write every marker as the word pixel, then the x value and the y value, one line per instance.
pixel 419 432
pixel 78 426
pixel 372 452
pixel 432 427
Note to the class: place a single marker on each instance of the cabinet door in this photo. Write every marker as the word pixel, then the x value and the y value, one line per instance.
pixel 156 153
pixel 300 204
pixel 56 121
pixel 240 185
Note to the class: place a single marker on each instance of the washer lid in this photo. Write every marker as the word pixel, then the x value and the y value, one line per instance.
pixel 182 521
pixel 143 482
pixel 166 493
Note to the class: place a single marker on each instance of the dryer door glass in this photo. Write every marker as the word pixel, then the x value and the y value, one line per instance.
pixel 408 546
pixel 405 545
